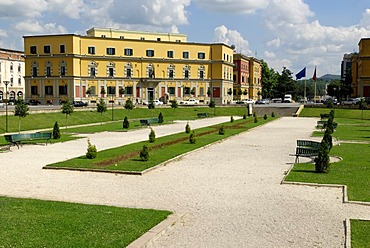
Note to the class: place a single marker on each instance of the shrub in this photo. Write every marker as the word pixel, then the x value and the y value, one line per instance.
pixel 322 162
pixel 192 138
pixel 160 117
pixel 273 114
pixel 56 131
pixel 152 136
pixel 91 150
pixel 221 131
pixel 144 153
pixel 328 138
pixel 231 119
pixel 126 123
pixel 265 117
pixel 330 104
pixel 255 119
pixel 187 128
pixel 244 116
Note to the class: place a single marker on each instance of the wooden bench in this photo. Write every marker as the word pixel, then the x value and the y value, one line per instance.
pixel 203 115
pixel 17 139
pixel 305 152
pixel 324 116
pixel 147 122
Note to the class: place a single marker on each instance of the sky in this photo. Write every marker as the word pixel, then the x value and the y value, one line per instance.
pixel 284 33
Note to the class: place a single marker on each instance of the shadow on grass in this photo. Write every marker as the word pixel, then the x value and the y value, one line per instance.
pixel 305 171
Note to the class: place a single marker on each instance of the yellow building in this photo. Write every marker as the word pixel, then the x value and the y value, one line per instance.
pixel 247 77
pixel 361 70
pixel 116 65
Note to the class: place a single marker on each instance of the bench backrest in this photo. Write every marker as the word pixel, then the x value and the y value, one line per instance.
pixel 27 136
pixel 305 151
pixel 308 143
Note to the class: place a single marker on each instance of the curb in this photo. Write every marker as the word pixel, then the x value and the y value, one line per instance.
pixel 154 233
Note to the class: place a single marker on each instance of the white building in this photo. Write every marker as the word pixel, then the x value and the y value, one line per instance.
pixel 12 70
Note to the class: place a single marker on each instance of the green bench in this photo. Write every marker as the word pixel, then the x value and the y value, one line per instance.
pixel 308 144
pixel 147 122
pixel 203 115
pixel 17 139
pixel 322 124
pixel 306 148
pixel 324 116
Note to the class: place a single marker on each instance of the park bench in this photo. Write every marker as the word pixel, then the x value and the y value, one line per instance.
pixel 203 115
pixel 306 148
pixel 17 139
pixel 324 116
pixel 308 144
pixel 322 124
pixel 147 122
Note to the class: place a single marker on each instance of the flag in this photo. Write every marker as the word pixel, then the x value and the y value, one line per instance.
pixel 314 75
pixel 301 74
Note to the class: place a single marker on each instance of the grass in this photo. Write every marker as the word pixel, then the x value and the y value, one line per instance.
pixel 36 223
pixel 166 151
pixel 36 121
pixel 338 113
pixel 360 237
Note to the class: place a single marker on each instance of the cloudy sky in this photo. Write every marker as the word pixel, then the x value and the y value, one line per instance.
pixel 290 33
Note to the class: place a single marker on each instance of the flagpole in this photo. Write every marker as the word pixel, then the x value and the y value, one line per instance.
pixel 304 95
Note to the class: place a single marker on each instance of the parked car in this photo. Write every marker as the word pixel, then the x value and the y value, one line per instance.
pixel 79 104
pixel 191 101
pixel 246 101
pixel 288 98
pixel 33 102
pixel 350 101
pixel 263 101
pixel 276 100
pixel 155 102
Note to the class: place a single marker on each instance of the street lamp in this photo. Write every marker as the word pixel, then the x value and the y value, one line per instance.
pixel 6 105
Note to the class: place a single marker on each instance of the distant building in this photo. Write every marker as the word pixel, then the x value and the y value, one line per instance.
pixel 117 65
pixel 247 77
pixel 11 70
pixel 361 70
pixel 346 66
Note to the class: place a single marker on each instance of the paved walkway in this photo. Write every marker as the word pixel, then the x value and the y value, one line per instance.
pixel 230 191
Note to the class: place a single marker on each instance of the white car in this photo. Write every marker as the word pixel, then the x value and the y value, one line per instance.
pixel 155 102
pixel 191 101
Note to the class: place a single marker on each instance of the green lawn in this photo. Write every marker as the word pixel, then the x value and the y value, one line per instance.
pixel 36 223
pixel 339 113
pixel 166 151
pixel 360 237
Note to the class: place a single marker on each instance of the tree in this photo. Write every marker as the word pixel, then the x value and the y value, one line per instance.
pixel 56 131
pixel 101 107
pixel 126 123
pixel 91 150
pixel 269 80
pixel 187 128
pixel 129 105
pixel 361 106
pixel 174 105
pixel 152 136
pixel 322 161
pixel 144 153
pixel 192 138
pixel 67 109
pixel 21 110
pixel 160 117
pixel 212 104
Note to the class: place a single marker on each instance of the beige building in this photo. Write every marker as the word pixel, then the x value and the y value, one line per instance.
pixel 361 70
pixel 116 65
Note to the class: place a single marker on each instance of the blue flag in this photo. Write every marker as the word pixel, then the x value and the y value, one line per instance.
pixel 301 74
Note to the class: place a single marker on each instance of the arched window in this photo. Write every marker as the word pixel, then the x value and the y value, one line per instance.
pixel 48 69
pixel 93 69
pixel 150 71
pixel 11 67
pixel 111 69
pixel 201 72
pixel 171 71
pixel 62 68
pixel 128 70
pixel 34 69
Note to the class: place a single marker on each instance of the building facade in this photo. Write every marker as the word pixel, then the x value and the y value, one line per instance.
pixel 361 70
pixel 12 70
pixel 247 77
pixel 116 65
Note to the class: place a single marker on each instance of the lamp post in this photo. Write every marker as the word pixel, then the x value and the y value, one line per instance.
pixel 112 107
pixel 6 105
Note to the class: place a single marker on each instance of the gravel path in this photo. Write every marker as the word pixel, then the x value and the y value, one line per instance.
pixel 230 191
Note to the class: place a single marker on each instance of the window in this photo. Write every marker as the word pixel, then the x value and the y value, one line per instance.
pixel 201 91
pixel 19 68
pixel 111 90
pixel 92 90
pixel 63 89
pixel 128 72
pixel 158 39
pixel 185 55
pixel 111 51
pixel 11 67
pixel 48 90
pixel 47 49
pixel 129 90
pixel 62 70
pixel 91 50
pixel 92 72
pixel 19 80
pixel 34 72
pixel 62 48
pixel 150 53
pixel 187 90
pixel 186 72
pixel 110 72
pixel 201 74
pixel 150 71
pixel 33 49
pixel 11 81
pixel 171 90
pixel 142 38
pixel 122 37
pixel 103 36
pixel 129 52
pixel 48 71
pixel 170 73
pixel 169 54
pixel 34 90
pixel 201 55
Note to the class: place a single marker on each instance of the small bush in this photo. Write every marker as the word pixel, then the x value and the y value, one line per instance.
pixel 187 128
pixel 56 131
pixel 322 162
pixel 126 123
pixel 144 153
pixel 273 114
pixel 91 150
pixel 255 119
pixel 244 116
pixel 192 138
pixel 265 117
pixel 160 117
pixel 152 136
pixel 231 119
pixel 221 131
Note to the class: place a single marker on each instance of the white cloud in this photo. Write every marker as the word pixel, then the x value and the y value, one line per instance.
pixel 70 9
pixel 233 6
pixel 22 8
pixel 269 55
pixel 34 27
pixel 232 37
